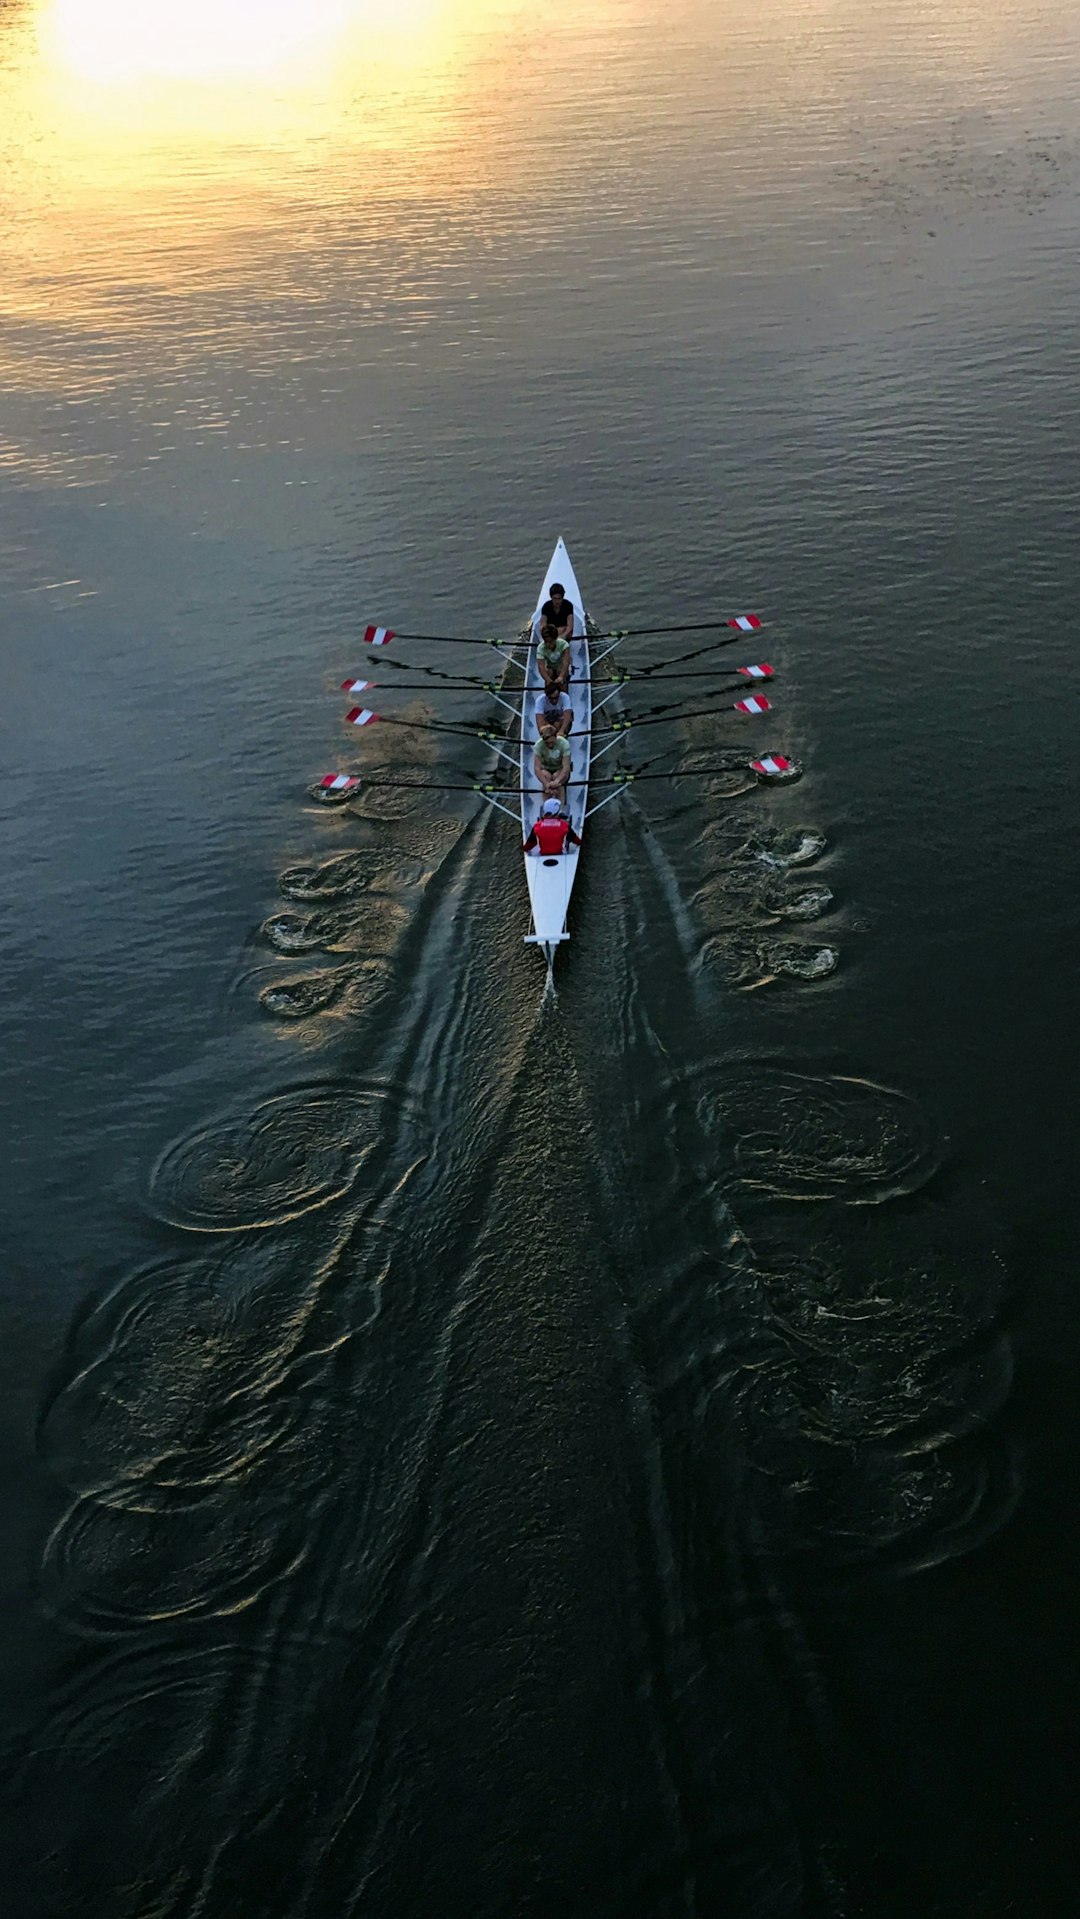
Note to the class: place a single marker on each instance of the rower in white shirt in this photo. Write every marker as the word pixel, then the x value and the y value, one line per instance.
pixel 555 708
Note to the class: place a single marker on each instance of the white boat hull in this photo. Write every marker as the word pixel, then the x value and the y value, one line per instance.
pixel 551 880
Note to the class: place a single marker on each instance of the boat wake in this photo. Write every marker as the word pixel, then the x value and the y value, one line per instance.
pixel 534 1336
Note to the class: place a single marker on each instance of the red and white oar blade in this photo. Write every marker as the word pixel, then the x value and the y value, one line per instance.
pixel 378 635
pixel 361 716
pixel 745 622
pixel 762 672
pixel 339 782
pixel 772 767
pixel 356 686
pixel 757 703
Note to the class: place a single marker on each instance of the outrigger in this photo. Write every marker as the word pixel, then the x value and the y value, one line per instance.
pixel 550 878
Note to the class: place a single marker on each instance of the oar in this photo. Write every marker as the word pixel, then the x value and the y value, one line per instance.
pixel 762 672
pixel 696 653
pixel 752 675
pixel 455 681
pixel 366 716
pixel 742 622
pixel 751 703
pixel 382 636
pixel 771 766
pixel 755 703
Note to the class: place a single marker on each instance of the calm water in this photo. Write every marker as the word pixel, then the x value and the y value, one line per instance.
pixel 466 1454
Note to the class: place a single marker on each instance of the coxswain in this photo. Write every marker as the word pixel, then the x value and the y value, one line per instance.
pixel 553 658
pixel 558 612
pixel 556 709
pixel 552 759
pixel 552 832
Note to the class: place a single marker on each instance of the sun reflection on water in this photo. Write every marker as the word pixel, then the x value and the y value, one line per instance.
pixel 155 155
pixel 116 42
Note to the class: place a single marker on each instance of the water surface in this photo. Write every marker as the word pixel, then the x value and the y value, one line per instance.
pixel 474 1453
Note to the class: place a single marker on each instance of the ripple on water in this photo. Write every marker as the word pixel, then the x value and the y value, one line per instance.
pixel 305 932
pixel 353 988
pixel 810 904
pixel 307 994
pixel 744 963
pixel 168 1691
pixel 200 1431
pixel 873 1366
pixel 379 868
pixel 801 1135
pixel 802 962
pixel 295 1151
pixel 108 1568
pixel 785 849
pixel 347 873
pixel 176 1383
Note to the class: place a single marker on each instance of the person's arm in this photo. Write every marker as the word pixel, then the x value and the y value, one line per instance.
pixel 530 842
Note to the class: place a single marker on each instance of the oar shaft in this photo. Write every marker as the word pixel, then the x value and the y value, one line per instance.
pixel 696 653
pixel 657 632
pixel 485 786
pixel 624 779
pixel 453 682
pixel 653 717
pixel 613 633
pixel 457 682
pixel 669 714
pixel 464 639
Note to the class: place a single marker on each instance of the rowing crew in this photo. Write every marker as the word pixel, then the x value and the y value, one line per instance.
pixel 553 753
pixel 552 832
pixel 553 644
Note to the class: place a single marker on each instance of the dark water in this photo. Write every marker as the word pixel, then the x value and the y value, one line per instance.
pixel 468 1454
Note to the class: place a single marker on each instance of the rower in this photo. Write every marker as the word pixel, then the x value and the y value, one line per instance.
pixel 552 759
pixel 553 658
pixel 552 832
pixel 558 612
pixel 556 709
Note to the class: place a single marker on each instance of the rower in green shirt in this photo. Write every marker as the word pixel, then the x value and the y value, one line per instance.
pixel 553 658
pixel 552 760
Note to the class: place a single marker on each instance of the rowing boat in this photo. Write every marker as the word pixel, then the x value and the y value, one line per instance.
pixel 551 879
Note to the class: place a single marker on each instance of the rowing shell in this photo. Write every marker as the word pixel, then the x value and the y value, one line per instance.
pixel 551 880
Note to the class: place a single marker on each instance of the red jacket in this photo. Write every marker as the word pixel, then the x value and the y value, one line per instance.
pixel 551 834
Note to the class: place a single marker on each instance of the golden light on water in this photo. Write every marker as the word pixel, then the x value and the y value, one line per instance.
pixel 177 169
pixel 115 42
pixel 157 152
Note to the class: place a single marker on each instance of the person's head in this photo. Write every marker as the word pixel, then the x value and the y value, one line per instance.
pixel 547 732
pixel 555 593
pixel 552 808
pixel 550 700
pixel 549 632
